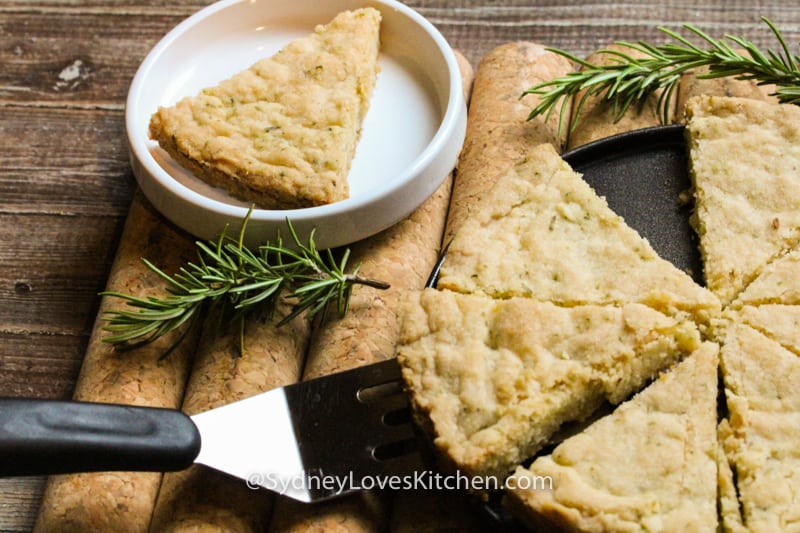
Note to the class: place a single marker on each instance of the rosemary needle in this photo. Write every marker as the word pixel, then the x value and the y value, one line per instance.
pixel 627 80
pixel 236 280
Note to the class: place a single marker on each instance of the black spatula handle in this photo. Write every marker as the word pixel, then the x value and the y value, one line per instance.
pixel 53 437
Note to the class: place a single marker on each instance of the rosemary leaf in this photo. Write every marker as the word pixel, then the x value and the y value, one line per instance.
pixel 236 280
pixel 626 80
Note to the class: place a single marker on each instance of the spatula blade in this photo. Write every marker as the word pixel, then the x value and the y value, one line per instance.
pixel 254 439
pixel 317 439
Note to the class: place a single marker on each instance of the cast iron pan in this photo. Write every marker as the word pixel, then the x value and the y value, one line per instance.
pixel 643 175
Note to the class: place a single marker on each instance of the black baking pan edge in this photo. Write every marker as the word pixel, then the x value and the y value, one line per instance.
pixel 644 176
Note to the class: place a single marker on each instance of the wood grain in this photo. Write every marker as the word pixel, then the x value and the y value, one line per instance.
pixel 65 180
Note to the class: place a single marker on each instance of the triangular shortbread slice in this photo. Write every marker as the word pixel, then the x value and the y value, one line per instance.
pixel 648 466
pixel 543 232
pixel 282 133
pixel 771 303
pixel 779 322
pixel 745 157
pixel 778 282
pixel 763 401
pixel 493 380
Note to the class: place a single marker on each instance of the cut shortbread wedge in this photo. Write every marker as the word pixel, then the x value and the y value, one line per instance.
pixel 763 449
pixel 744 157
pixel 282 133
pixel 543 232
pixel 493 380
pixel 730 511
pixel 778 282
pixel 648 466
pixel 778 322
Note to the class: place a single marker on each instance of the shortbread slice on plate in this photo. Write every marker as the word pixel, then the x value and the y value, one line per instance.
pixel 493 380
pixel 651 465
pixel 745 161
pixel 282 133
pixel 543 232
pixel 763 400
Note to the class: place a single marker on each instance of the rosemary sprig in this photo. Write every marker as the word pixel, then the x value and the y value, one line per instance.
pixel 237 280
pixel 627 80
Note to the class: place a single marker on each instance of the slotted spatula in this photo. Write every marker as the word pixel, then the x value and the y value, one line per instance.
pixel 311 441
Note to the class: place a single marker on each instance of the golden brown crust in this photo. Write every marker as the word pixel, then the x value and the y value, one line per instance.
pixel 760 378
pixel 427 510
pixel 730 512
pixel 778 282
pixel 495 379
pixel 735 143
pixel 542 213
pixel 778 322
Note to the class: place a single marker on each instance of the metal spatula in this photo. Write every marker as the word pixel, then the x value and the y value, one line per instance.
pixel 311 441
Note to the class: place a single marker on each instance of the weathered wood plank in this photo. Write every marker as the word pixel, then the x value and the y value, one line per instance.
pixel 64 161
pixel 19 501
pixel 51 270
pixel 39 365
pixel 582 27
pixel 74 58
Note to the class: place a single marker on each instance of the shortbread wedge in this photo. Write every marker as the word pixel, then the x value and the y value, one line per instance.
pixel 651 465
pixel 744 158
pixel 778 322
pixel 493 380
pixel 543 232
pixel 730 510
pixel 778 282
pixel 763 401
pixel 283 133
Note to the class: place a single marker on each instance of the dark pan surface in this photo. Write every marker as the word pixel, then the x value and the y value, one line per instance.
pixel 642 174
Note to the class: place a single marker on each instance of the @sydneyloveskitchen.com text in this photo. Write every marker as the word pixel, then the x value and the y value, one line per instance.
pixel 421 480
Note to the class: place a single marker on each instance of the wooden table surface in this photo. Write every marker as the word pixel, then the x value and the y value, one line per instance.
pixel 66 184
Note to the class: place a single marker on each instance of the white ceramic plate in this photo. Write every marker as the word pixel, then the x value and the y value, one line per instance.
pixel 410 140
